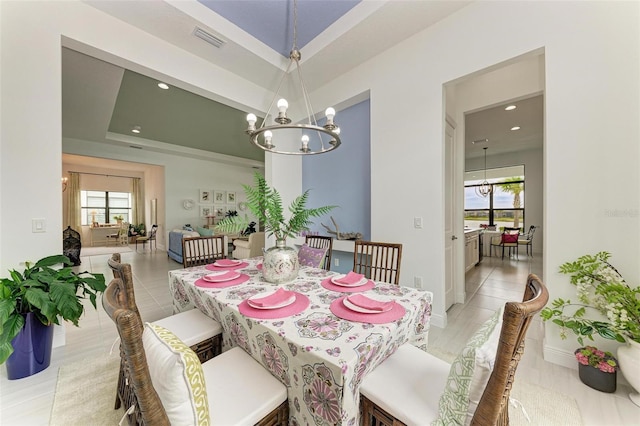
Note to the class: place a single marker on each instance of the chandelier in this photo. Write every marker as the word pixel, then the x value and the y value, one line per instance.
pixel 282 137
pixel 484 188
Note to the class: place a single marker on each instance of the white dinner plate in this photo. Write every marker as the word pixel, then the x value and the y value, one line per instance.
pixel 227 264
pixel 217 278
pixel 334 279
pixel 287 302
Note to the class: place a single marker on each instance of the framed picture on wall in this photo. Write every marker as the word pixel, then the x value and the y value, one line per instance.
pixel 206 211
pixel 231 197
pixel 206 196
pixel 231 208
pixel 219 197
pixel 219 211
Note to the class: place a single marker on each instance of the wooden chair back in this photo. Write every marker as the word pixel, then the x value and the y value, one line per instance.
pixel 493 408
pixel 321 242
pixel 202 250
pixel 378 261
pixel 140 392
pixel 122 271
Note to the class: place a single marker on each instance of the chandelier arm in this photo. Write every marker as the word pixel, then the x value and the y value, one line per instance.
pixel 275 96
pixel 333 145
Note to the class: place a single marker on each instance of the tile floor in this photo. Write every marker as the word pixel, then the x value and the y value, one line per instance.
pixel 28 401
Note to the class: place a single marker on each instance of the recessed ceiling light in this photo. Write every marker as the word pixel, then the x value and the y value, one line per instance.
pixel 510 107
pixel 515 128
pixel 164 86
pixel 136 129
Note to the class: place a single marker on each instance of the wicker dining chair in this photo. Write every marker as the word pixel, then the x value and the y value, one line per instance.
pixel 202 250
pixel 395 393
pixel 254 397
pixel 378 261
pixel 321 242
pixel 201 333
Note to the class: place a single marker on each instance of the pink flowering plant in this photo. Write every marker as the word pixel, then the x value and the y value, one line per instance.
pixel 603 361
pixel 607 306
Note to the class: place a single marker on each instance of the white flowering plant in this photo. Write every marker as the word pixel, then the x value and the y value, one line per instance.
pixel 600 288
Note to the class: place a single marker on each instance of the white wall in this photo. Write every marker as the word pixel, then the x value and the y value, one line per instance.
pixel 592 128
pixel 591 124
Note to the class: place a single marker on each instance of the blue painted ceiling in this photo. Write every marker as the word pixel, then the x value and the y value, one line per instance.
pixel 259 18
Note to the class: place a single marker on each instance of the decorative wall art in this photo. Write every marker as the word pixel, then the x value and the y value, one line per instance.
pixel 206 211
pixel 219 197
pixel 206 196
pixel 231 197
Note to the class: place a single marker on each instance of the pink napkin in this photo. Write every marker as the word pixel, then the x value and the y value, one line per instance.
pixel 350 278
pixel 226 262
pixel 229 275
pixel 279 297
pixel 365 302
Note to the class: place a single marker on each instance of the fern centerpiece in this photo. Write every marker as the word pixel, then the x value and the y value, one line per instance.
pixel 265 203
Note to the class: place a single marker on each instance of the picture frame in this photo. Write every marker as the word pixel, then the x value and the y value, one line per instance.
pixel 231 197
pixel 230 207
pixel 206 196
pixel 219 211
pixel 206 211
pixel 219 196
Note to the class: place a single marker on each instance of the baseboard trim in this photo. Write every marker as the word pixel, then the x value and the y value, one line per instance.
pixel 559 356
pixel 438 320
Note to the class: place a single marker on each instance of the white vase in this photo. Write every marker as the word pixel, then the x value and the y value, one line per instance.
pixel 629 359
pixel 280 264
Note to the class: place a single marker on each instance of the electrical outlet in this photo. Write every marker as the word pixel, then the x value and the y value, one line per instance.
pixel 336 262
pixel 417 282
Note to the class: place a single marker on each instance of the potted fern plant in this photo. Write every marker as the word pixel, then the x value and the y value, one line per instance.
pixel 31 302
pixel 280 263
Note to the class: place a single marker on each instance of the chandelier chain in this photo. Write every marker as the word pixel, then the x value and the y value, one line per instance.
pixel 295 24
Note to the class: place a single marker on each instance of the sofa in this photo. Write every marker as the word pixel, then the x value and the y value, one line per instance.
pixel 251 247
pixel 174 251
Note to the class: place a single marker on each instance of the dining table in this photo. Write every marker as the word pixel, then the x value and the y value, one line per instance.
pixel 316 343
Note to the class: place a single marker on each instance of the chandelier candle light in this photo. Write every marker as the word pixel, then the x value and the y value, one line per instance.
pixel 485 188
pixel 325 138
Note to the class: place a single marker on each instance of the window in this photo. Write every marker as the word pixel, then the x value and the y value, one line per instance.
pixel 103 207
pixel 504 206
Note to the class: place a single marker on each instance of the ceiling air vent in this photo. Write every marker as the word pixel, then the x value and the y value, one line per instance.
pixel 209 38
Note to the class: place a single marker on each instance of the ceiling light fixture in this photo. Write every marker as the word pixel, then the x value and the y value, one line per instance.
pixel 484 188
pixel 313 139
pixel 136 129
pixel 510 107
pixel 163 86
pixel 515 128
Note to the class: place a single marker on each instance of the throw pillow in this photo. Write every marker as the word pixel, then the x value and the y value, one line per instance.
pixel 177 376
pixel 309 256
pixel 204 232
pixel 509 238
pixel 469 374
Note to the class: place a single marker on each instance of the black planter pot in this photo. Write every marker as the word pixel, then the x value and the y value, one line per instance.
pixel 596 379
pixel 31 349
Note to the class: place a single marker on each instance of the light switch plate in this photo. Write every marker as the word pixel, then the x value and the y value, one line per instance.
pixel 417 222
pixel 38 225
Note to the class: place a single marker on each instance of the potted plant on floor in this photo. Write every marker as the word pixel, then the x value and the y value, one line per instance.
pixel 280 263
pixel 31 302
pixel 597 369
pixel 602 291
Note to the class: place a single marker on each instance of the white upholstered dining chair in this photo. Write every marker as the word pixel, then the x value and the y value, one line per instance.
pixel 413 387
pixel 168 385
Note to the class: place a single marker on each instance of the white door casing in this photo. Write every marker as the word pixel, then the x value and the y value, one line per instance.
pixel 450 239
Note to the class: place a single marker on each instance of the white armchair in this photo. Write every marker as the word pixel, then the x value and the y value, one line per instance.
pixel 244 249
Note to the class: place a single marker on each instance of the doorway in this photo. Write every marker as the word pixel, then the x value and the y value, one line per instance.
pixel 478 103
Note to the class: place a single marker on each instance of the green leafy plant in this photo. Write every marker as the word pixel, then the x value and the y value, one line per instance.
pixel 266 205
pixel 47 292
pixel 137 230
pixel 600 288
pixel 119 217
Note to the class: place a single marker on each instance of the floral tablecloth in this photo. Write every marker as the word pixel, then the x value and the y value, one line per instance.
pixel 318 356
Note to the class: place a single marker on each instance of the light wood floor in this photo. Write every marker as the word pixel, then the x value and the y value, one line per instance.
pixel 28 401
